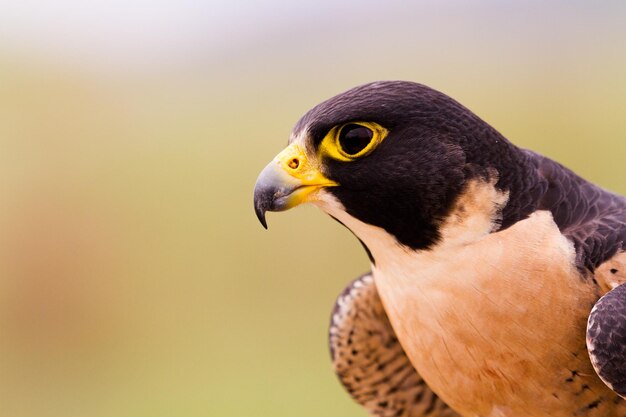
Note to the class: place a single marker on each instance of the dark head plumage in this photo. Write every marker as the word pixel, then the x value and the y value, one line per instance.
pixel 434 146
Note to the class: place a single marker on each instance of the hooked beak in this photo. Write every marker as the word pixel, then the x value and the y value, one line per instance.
pixel 289 180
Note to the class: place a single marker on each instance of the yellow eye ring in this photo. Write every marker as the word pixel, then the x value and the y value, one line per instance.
pixel 351 141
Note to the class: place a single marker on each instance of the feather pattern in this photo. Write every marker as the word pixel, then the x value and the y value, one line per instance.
pixel 370 362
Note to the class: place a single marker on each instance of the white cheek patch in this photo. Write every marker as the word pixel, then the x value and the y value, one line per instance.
pixel 475 214
pixel 328 203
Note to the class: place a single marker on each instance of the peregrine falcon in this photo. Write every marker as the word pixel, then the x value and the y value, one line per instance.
pixel 496 284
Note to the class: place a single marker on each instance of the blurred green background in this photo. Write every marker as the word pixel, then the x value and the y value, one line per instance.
pixel 135 279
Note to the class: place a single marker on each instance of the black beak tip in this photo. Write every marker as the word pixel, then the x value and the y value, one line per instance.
pixel 260 214
pixel 260 206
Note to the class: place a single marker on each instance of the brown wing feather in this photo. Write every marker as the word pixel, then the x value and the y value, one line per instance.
pixel 370 362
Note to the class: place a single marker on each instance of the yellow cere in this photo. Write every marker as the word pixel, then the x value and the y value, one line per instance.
pixel 331 146
pixel 295 162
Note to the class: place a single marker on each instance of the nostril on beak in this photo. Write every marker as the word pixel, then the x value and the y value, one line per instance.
pixel 294 163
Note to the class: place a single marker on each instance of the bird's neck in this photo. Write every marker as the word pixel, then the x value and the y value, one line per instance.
pixel 476 213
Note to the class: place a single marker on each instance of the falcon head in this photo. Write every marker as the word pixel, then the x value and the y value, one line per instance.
pixel 394 155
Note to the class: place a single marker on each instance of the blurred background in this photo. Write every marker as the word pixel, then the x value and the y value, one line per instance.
pixel 135 279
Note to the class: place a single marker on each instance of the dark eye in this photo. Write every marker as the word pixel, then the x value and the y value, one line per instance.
pixel 354 138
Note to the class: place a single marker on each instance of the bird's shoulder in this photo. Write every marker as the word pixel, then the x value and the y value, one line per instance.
pixel 592 218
